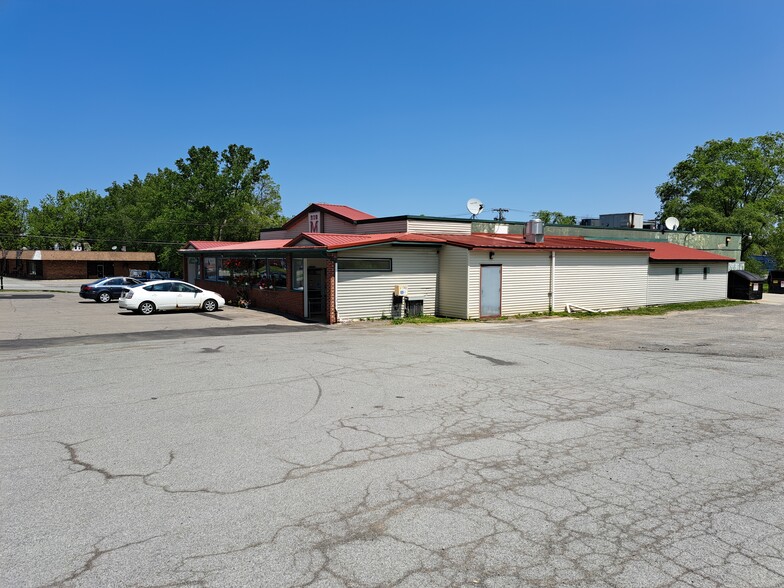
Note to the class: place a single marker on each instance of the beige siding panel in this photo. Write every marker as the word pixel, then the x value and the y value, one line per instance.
pixel 333 224
pixel 277 235
pixel 300 227
pixel 599 280
pixel 692 285
pixel 525 281
pixel 398 226
pixel 435 226
pixel 475 259
pixel 369 294
pixel 452 282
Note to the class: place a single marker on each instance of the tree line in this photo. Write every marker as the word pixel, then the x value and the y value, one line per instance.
pixel 208 195
pixel 727 186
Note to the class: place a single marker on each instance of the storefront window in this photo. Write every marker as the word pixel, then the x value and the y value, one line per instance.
pixel 211 268
pixel 238 271
pixel 273 273
pixel 298 274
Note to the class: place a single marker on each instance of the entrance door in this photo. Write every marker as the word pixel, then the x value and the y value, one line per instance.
pixel 99 270
pixel 316 291
pixel 490 290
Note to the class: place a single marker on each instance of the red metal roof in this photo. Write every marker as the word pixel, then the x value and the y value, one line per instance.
pixel 246 245
pixel 210 244
pixel 344 211
pixel 666 251
pixel 332 241
pixel 495 241
pixel 339 210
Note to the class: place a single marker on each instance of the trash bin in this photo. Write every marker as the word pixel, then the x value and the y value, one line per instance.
pixel 743 285
pixel 776 281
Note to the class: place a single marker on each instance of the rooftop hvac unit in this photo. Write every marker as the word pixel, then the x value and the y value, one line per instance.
pixel 534 231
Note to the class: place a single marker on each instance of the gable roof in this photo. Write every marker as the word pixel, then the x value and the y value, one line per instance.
pixel 208 244
pixel 666 251
pixel 339 210
pixel 250 245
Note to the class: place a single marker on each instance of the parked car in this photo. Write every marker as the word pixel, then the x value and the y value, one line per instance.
pixel 107 289
pixel 169 295
pixel 149 275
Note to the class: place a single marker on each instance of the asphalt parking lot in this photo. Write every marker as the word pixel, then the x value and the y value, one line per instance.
pixel 241 449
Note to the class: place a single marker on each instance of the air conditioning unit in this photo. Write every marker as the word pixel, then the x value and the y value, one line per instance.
pixel 401 290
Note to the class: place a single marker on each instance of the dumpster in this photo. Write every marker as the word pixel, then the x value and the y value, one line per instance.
pixel 776 281
pixel 743 285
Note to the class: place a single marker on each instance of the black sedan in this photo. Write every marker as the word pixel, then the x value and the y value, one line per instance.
pixel 107 289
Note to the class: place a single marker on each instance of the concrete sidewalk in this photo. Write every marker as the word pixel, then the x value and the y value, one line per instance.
pixel 44 285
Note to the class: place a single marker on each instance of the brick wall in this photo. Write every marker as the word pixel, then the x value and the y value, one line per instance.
pixel 284 301
pixel 61 270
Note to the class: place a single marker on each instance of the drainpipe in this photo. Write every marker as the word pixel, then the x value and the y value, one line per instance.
pixel 551 293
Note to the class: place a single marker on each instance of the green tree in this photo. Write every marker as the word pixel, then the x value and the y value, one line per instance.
pixel 227 194
pixel 731 186
pixel 13 222
pixel 209 196
pixel 65 218
pixel 550 217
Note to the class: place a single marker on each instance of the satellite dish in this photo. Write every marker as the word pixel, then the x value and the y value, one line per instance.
pixel 672 223
pixel 474 206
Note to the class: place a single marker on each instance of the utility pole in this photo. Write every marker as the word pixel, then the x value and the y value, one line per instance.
pixel 500 212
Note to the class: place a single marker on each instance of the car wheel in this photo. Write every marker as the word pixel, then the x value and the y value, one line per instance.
pixel 210 305
pixel 147 308
pixel 104 297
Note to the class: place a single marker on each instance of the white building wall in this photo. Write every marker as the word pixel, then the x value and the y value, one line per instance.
pixel 452 282
pixel 600 280
pixel 525 281
pixel 369 294
pixel 438 226
pixel 692 284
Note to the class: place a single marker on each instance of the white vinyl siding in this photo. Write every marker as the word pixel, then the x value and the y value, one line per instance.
pixel 369 294
pixel 600 280
pixel 453 282
pixel 691 286
pixel 438 226
pixel 397 226
pixel 525 281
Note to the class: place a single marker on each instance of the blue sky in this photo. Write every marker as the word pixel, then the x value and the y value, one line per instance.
pixel 405 107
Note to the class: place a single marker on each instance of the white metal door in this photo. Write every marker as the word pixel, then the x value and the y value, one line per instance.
pixel 490 290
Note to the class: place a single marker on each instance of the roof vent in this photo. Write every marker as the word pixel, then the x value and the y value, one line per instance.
pixel 534 231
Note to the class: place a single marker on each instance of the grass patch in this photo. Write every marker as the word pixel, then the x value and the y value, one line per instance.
pixel 658 310
pixel 419 320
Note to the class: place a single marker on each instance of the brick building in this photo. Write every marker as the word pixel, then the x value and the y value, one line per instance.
pixel 53 265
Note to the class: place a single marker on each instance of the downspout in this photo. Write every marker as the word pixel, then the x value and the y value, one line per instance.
pixel 551 293
pixel 306 305
pixel 335 301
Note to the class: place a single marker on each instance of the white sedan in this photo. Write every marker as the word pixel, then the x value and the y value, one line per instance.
pixel 169 295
